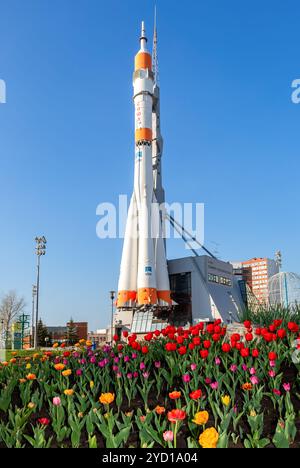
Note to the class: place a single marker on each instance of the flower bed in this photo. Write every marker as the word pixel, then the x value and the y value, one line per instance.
pixel 179 388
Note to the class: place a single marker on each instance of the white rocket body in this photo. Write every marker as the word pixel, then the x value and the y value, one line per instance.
pixel 143 275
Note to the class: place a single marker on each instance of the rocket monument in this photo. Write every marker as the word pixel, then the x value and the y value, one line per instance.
pixel 144 280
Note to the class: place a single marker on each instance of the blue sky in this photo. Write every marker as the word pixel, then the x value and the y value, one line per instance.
pixel 230 128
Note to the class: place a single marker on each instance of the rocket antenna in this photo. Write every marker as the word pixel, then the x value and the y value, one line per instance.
pixel 154 51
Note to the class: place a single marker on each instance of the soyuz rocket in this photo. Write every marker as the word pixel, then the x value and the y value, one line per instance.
pixel 144 279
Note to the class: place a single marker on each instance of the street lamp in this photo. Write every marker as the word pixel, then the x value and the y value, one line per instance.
pixel 112 296
pixel 40 250
pixel 34 291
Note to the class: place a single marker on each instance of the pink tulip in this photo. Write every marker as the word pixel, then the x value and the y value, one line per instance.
pixel 115 368
pixel 217 361
pixel 254 380
pixel 233 367
pixel 142 366
pixel 157 364
pixel 186 378
pixel 244 367
pixel 135 374
pixel 126 358
pixel 93 360
pixel 214 385
pixel 277 392
pixel 146 375
pixel 134 355
pixel 116 360
pixel 79 372
pixel 207 381
pixel 272 363
pixel 65 362
pixel 129 375
pixel 168 436
pixel 287 387
pixel 56 401
pixel 272 373
pixel 252 371
pixel 193 367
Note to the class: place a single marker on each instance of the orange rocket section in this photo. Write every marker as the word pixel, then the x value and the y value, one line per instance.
pixel 143 60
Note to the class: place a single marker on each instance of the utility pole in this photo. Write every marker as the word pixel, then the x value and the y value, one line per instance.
pixel 39 250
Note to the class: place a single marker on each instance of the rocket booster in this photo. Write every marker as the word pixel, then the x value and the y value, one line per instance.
pixel 143 274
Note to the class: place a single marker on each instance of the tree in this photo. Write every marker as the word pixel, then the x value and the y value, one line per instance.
pixel 42 333
pixel 11 307
pixel 72 335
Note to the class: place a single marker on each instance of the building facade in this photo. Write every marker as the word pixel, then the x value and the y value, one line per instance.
pixel 257 273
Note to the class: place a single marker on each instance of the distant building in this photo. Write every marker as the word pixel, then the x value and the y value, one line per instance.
pixel 60 333
pixel 98 337
pixel 256 273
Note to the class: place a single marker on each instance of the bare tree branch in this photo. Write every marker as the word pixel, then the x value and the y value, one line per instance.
pixel 11 307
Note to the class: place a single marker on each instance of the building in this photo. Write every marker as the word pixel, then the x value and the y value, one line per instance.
pixel 256 273
pixel 98 337
pixel 59 333
pixel 204 288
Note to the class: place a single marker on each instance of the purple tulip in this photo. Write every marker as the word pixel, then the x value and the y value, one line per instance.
pixel 79 372
pixel 65 362
pixel 126 358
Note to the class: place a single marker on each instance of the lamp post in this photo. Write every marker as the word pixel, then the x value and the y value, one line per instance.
pixel 34 290
pixel 112 296
pixel 40 250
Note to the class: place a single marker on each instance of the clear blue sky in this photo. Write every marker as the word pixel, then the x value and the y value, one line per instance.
pixel 66 135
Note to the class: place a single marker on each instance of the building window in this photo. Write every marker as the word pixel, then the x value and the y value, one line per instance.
pixel 142 322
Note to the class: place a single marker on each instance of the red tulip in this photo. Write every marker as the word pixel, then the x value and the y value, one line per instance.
pixel 176 415
pixel 244 352
pixel 195 395
pixel 226 347
pixel 145 350
pixel 204 353
pixel 206 344
pixel 281 333
pixel 272 356
pixel 255 353
pixel 249 337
